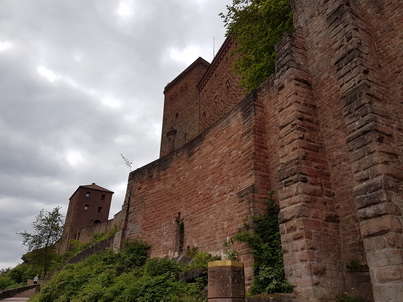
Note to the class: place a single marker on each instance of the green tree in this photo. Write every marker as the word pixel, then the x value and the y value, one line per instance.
pixel 257 26
pixel 47 229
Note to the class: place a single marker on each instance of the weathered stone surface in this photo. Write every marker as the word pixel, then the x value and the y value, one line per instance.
pixel 226 281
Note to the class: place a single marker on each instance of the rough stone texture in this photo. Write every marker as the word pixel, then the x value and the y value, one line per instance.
pixel 226 281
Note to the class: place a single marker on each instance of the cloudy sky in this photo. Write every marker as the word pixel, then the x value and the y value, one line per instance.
pixel 81 83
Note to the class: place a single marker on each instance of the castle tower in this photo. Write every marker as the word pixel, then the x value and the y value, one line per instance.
pixel 181 108
pixel 89 205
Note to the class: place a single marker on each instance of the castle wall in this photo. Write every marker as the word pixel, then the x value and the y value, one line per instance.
pixel 208 186
pixel 87 234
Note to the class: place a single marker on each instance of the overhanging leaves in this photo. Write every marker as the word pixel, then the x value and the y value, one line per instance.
pixel 257 26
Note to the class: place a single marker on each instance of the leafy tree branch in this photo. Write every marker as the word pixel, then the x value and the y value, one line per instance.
pixel 257 26
pixel 47 229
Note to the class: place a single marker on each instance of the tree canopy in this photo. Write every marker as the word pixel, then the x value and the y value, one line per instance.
pixel 47 229
pixel 257 26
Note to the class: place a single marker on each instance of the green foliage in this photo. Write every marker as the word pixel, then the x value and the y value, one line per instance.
pixel 257 26
pixel 5 281
pixel 75 247
pixel 192 251
pixel 134 254
pixel 161 266
pixel 125 276
pixel 345 297
pixel 36 260
pixel 231 253
pixel 21 273
pixel 355 266
pixel 201 260
pixel 48 228
pixel 261 233
pixel 97 237
pixel 17 276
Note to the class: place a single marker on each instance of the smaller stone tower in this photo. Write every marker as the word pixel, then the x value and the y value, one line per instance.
pixel 89 205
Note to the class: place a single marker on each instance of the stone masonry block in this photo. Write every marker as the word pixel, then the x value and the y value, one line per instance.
pixel 389 274
pixel 373 185
pixel 380 226
pixel 293 212
pixel 372 198
pixel 385 258
pixel 376 210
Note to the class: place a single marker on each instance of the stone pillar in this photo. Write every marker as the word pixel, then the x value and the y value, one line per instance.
pixel 377 164
pixel 309 223
pixel 226 281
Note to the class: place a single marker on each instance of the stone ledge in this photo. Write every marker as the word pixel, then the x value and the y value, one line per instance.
pixel 275 298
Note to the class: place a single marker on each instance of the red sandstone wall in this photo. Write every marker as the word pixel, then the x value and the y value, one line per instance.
pixel 219 88
pixel 329 109
pixel 181 108
pixel 212 182
pixel 87 234
pixel 355 69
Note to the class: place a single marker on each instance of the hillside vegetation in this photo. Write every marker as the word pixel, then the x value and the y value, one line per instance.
pixel 127 276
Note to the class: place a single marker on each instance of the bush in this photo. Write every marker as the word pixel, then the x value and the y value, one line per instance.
pixel 5 281
pixel 134 253
pixel 125 276
pixel 17 276
pixel 161 266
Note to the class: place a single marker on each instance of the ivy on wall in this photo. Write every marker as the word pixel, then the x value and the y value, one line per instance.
pixel 261 233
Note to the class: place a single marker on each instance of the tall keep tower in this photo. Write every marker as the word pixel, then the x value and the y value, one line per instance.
pixel 181 108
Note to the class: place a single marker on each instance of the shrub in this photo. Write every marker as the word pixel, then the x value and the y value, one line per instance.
pixel 107 276
pixel 201 260
pixel 161 266
pixel 5 281
pixel 134 253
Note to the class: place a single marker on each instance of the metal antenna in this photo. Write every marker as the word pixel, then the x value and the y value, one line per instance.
pixel 213 47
